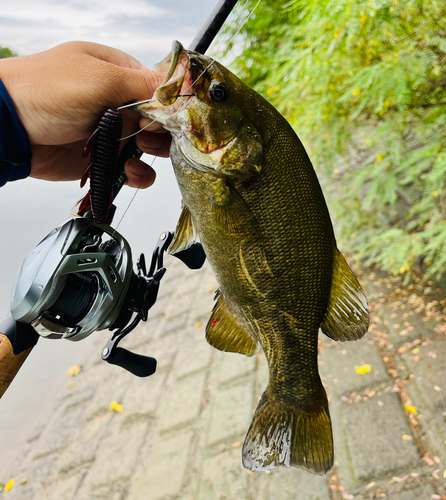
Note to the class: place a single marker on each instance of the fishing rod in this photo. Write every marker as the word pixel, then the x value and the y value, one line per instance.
pixel 79 278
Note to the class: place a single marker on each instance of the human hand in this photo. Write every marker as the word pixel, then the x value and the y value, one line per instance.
pixel 60 95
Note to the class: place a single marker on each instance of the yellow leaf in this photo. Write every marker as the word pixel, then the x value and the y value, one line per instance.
pixel 416 350
pixel 23 481
pixel 336 171
pixel 434 194
pixel 407 438
pixel 404 269
pixel 444 474
pixel 197 325
pixel 116 407
pixel 9 485
pixel 74 370
pixel 411 409
pixel 356 92
pixel 363 18
pixel 379 158
pixel 361 370
pixel 70 384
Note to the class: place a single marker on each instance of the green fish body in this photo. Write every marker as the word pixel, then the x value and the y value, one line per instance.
pixel 252 197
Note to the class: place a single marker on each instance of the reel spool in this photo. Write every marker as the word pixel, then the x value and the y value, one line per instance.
pixel 79 279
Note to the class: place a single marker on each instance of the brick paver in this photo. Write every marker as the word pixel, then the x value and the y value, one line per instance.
pixel 180 434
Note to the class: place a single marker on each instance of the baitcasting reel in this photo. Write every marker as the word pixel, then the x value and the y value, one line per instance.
pixel 79 279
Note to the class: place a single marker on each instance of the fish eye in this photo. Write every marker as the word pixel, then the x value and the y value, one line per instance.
pixel 218 92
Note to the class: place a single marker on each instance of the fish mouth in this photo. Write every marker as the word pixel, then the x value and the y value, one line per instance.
pixel 178 105
pixel 177 83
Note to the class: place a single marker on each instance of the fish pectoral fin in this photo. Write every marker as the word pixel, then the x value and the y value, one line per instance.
pixel 185 234
pixel 348 312
pixel 232 214
pixel 225 333
pixel 287 435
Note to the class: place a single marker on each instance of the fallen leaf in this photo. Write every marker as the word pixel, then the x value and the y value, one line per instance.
pixel 363 369
pixel 407 437
pixel 114 406
pixel 411 409
pixel 197 325
pixel 23 481
pixel 70 385
pixel 437 388
pixel 9 485
pixel 74 370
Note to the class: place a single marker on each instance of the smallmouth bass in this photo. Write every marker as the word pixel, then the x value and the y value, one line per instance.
pixel 252 197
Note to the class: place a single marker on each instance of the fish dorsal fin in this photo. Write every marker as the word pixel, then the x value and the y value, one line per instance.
pixel 348 312
pixel 185 234
pixel 225 333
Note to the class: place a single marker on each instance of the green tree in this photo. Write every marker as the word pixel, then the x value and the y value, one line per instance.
pixel 5 52
pixel 363 83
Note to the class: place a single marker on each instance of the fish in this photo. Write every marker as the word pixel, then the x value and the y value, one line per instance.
pixel 252 198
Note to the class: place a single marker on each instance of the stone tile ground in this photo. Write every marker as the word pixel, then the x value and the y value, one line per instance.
pixel 180 433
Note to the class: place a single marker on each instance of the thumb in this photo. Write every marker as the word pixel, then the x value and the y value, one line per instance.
pixel 136 84
pixel 124 78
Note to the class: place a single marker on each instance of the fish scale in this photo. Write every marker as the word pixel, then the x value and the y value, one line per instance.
pixel 252 196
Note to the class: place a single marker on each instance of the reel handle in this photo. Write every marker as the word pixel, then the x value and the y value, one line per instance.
pixel 139 365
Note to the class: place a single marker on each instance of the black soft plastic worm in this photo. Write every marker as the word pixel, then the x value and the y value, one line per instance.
pixel 104 145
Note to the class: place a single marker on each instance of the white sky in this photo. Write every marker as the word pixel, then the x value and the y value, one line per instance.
pixel 144 29
pixel 30 208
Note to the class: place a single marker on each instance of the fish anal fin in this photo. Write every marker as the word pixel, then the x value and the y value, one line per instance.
pixel 225 333
pixel 185 234
pixel 348 312
pixel 287 435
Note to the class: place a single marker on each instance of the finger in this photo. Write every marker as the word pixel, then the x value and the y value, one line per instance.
pixel 153 143
pixel 150 125
pixel 139 174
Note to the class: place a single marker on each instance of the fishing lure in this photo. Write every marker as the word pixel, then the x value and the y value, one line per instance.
pixel 103 144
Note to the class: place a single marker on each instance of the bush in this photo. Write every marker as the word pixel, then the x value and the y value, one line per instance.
pixel 5 52
pixel 364 85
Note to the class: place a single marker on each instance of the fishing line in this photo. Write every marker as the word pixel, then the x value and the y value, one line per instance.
pixel 226 43
pixel 204 71
pixel 181 95
pixel 136 192
pixel 141 129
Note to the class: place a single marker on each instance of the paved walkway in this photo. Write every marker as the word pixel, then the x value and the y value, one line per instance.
pixel 180 432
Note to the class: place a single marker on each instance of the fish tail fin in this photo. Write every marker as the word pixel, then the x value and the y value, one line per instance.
pixel 287 435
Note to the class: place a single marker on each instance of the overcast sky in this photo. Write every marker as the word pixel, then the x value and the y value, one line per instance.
pixel 30 208
pixel 145 29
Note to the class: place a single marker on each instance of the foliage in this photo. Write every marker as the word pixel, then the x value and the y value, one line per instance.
pixel 364 85
pixel 5 52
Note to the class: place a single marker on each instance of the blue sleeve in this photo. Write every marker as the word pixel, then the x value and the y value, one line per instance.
pixel 15 149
